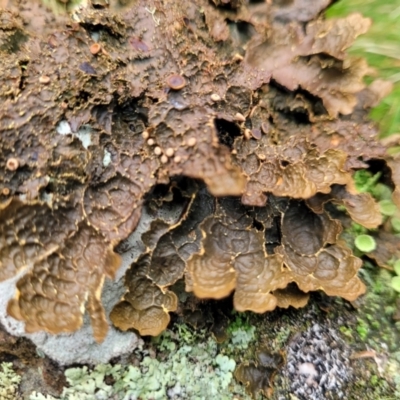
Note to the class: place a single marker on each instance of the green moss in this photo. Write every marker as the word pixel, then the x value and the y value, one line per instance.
pixel 374 380
pixel 362 329
pixel 375 325
pixel 365 181
pixel 346 331
pixel 282 337
pixel 381 192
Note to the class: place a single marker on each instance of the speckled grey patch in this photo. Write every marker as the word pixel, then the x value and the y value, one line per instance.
pixel 318 365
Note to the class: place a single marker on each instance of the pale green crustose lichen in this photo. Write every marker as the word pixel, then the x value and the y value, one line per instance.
pixel 9 382
pixel 193 369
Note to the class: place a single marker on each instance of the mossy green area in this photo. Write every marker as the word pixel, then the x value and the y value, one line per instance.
pixel 379 334
pixel 381 47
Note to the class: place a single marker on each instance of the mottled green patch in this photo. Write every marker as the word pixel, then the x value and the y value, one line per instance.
pixel 183 364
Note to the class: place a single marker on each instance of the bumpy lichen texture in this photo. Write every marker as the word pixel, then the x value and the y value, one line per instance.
pixel 9 381
pixel 251 116
pixel 183 357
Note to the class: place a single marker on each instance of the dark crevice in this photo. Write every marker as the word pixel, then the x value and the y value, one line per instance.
pixel 82 98
pixel 132 114
pixel 227 131
pixel 99 27
pixel 298 104
pixel 273 235
pixel 241 31
pixel 23 66
pixel 284 163
pixel 380 166
pixel 258 225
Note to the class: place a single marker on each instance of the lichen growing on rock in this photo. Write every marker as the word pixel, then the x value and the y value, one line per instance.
pixel 251 139
pixel 9 381
pixel 192 368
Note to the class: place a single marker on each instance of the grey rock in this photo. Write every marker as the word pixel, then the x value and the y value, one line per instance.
pixel 318 365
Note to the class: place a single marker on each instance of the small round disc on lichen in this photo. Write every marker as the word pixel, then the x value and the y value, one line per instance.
pixel 176 82
pixel 365 243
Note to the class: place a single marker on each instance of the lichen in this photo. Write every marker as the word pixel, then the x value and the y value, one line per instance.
pixel 9 382
pixel 241 334
pixel 261 134
pixel 191 368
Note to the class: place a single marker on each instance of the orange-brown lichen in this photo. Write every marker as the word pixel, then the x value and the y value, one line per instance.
pixel 146 305
pixel 361 206
pixel 291 296
pixel 63 268
pixel 234 257
pixel 295 169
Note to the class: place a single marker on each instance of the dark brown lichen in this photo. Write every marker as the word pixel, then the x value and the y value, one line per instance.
pixel 258 376
pixel 259 118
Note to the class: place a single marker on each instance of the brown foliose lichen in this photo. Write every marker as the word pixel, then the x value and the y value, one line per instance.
pixel 250 114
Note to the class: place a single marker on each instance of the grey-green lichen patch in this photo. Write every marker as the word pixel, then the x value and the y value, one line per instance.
pixel 185 365
pixel 9 382
pixel 241 333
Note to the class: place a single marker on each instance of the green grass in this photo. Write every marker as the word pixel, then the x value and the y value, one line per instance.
pixel 381 47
